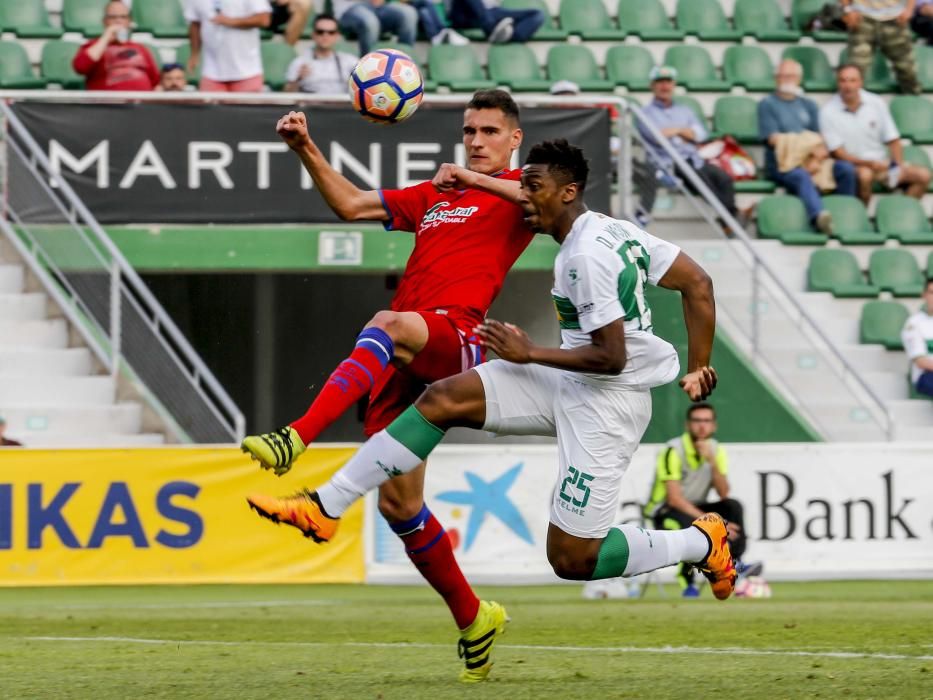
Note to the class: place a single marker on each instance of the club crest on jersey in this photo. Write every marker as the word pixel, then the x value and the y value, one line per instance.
pixel 437 215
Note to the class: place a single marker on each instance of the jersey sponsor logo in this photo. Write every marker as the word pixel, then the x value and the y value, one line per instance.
pixel 437 215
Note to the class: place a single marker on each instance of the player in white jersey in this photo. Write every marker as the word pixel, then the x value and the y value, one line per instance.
pixel 592 393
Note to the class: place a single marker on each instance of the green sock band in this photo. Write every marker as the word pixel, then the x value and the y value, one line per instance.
pixel 613 556
pixel 416 432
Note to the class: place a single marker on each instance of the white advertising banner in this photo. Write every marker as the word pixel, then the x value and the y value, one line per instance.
pixel 811 510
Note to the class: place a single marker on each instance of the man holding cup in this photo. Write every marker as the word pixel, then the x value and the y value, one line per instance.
pixel 112 61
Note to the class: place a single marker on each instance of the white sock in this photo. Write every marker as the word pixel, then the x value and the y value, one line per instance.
pixel 654 549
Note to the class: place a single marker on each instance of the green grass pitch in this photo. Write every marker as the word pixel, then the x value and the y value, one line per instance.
pixel 830 640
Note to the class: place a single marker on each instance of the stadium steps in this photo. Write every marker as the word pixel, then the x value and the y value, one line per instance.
pixel 62 363
pixel 78 419
pixel 28 389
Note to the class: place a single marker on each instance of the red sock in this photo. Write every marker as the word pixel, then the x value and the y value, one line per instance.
pixel 351 381
pixel 428 547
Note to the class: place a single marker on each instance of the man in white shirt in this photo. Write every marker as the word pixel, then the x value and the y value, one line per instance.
pixel 226 32
pixel 857 126
pixel 321 69
pixel 917 337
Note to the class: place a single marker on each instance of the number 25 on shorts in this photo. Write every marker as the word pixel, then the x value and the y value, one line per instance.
pixel 577 480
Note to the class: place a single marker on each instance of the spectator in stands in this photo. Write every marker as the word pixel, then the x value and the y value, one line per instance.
pixel 680 125
pixel 368 19
pixel 433 25
pixel 857 127
pixel 290 18
pixel 788 112
pixel 922 21
pixel 173 78
pixel 917 337
pixel 5 441
pixel 687 468
pixel 498 24
pixel 228 36
pixel 321 69
pixel 113 62
pixel 883 24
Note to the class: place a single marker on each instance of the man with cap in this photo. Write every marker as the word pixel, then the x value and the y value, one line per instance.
pixel 4 441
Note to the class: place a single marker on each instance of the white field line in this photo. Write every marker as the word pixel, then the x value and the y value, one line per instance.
pixel 730 651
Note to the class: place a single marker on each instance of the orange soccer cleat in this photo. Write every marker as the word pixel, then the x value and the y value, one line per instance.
pixel 303 510
pixel 718 566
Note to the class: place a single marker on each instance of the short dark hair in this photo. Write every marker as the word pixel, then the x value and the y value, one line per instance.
pixel 172 66
pixel 700 406
pixel 495 99
pixel 928 282
pixel 324 15
pixel 563 158
pixel 844 66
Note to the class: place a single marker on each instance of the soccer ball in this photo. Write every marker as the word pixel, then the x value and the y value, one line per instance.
pixel 752 587
pixel 386 86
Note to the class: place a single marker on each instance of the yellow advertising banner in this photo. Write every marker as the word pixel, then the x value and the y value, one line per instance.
pixel 162 515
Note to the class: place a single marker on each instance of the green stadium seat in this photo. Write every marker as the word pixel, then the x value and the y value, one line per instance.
pixel 276 56
pixel 182 54
pixel 589 19
pixel 879 78
pixel 547 31
pixel 918 156
pixel 895 270
pixel 802 11
pixel 55 64
pixel 902 217
pixel 817 73
pixel 850 220
pixel 648 20
pixel 84 16
pixel 783 217
pixel 28 19
pixel 705 19
pixel 695 68
pixel 764 20
pixel 457 67
pixel 881 324
pixel 749 67
pixel 913 115
pixel 930 266
pixel 736 116
pixel 576 63
pixel 755 186
pixel 629 65
pixel 837 271
pixel 161 18
pixel 517 66
pixel 924 57
pixel 15 70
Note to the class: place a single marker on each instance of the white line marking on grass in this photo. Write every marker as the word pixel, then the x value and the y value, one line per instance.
pixel 737 651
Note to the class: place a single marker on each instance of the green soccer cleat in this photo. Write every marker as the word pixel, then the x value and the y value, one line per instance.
pixel 476 641
pixel 277 450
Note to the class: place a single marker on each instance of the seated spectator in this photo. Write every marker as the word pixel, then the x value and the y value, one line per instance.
pixel 321 69
pixel 882 24
pixel 922 21
pixel 917 337
pixel 433 26
pixel 369 19
pixel 5 441
pixel 289 17
pixel 173 78
pixel 112 61
pixel 680 125
pixel 857 127
pixel 228 36
pixel 787 112
pixel 498 24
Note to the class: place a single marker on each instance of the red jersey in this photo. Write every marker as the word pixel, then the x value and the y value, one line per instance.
pixel 126 66
pixel 465 243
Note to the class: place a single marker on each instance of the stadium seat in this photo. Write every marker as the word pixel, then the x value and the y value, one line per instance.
pixel 55 64
pixel 695 68
pixel 837 271
pixel 648 20
pixel 918 156
pixel 902 217
pixel 84 16
pixel 629 65
pixel 850 220
pixel 547 31
pixel 783 217
pixel 15 70
pixel 930 266
pixel 576 63
pixel 764 20
pixel 276 56
pixel 879 77
pixel 749 67
pixel 161 18
pixel 457 67
pixel 881 323
pixel 817 73
pixel 28 19
pixel 913 115
pixel 517 66
pixel 589 19
pixel 924 56
pixel 895 270
pixel 736 116
pixel 182 54
pixel 705 19
pixel 802 11
pixel 695 106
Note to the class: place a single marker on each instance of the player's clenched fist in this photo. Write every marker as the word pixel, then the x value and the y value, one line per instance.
pixel 506 340
pixel 293 128
pixel 453 177
pixel 700 383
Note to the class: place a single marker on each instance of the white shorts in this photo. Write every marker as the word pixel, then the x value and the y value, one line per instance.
pixel 598 430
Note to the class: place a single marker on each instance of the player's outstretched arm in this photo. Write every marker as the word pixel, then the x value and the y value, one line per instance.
pixel 347 200
pixel 696 291
pixel 455 177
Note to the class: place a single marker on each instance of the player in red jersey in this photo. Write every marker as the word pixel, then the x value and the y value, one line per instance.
pixel 465 242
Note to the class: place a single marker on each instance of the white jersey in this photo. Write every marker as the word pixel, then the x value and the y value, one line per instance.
pixel 917 337
pixel 227 53
pixel 600 275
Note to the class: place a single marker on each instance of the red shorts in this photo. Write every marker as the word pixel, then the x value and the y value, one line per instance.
pixel 451 348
